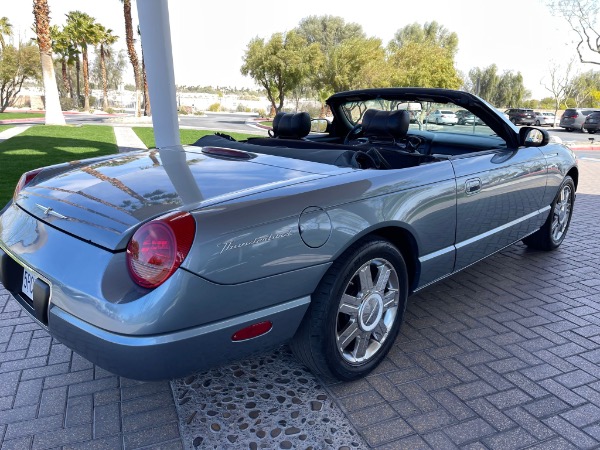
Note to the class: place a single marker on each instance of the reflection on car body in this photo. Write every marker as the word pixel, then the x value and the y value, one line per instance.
pixel 159 263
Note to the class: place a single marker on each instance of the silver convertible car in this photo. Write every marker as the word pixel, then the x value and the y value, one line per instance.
pixel 158 263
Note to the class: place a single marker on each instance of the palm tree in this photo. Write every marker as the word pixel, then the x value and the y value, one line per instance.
pixel 41 12
pixel 67 53
pixel 5 30
pixel 135 62
pixel 84 31
pixel 106 39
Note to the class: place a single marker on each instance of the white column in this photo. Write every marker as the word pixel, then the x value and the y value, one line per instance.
pixel 158 57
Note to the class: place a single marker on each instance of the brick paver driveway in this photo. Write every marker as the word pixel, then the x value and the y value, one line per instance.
pixel 503 355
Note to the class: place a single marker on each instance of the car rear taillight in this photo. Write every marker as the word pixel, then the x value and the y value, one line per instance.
pixel 159 247
pixel 25 179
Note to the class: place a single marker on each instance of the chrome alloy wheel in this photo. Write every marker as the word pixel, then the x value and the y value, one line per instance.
pixel 367 311
pixel 562 213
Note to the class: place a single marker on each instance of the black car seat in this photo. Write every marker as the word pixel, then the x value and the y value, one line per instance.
pixel 385 126
pixel 290 125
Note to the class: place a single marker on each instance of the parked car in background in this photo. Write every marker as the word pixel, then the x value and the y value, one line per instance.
pixel 592 122
pixel 521 116
pixel 467 118
pixel 442 117
pixel 574 118
pixel 158 263
pixel 544 118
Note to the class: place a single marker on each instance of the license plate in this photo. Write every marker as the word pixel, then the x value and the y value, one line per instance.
pixel 28 281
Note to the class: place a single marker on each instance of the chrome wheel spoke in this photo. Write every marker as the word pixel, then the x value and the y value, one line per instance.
pixel 383 276
pixel 380 331
pixel 349 305
pixel 348 335
pixel 362 342
pixel 390 299
pixel 366 281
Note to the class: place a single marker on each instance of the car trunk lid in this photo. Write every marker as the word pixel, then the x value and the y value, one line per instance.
pixel 105 201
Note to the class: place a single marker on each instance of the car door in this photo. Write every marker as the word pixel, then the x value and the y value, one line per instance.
pixel 499 197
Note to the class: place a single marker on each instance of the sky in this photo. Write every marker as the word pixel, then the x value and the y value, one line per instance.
pixel 209 37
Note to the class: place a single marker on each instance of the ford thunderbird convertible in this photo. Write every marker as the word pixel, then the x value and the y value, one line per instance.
pixel 159 263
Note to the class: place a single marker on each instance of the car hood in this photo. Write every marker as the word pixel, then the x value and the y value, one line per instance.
pixel 103 202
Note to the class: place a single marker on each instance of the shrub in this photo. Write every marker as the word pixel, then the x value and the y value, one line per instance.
pixel 242 108
pixel 185 110
pixel 261 112
pixel 215 107
pixel 67 103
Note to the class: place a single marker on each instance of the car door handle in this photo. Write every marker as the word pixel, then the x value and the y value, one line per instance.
pixel 473 186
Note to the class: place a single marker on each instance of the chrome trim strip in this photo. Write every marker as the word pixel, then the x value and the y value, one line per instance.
pixel 433 255
pixel 501 228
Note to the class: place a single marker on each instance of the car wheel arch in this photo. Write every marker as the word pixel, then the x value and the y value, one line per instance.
pixel 402 238
pixel 574 174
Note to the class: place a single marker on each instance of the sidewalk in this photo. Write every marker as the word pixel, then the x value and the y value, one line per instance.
pixel 127 140
pixel 11 132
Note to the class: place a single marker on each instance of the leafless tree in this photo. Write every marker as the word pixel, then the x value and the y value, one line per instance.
pixel 560 83
pixel 582 18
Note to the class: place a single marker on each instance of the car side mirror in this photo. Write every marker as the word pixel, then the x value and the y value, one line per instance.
pixel 319 125
pixel 533 137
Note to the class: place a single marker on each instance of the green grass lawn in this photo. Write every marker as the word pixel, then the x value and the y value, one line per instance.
pixel 146 134
pixel 266 123
pixel 46 145
pixel 19 115
pixel 5 127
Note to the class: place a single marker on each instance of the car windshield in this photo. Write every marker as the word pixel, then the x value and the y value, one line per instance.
pixel 422 115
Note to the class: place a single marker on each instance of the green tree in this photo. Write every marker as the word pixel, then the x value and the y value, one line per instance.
pixel 5 30
pixel 280 64
pixel 17 64
pixel 329 33
pixel 356 63
pixel 511 91
pixel 582 87
pixel 41 12
pixel 422 64
pixel 105 39
pixel 431 33
pixel 83 29
pixel 483 82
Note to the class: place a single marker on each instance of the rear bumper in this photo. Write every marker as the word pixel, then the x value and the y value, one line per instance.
pixel 175 354
pixel 167 355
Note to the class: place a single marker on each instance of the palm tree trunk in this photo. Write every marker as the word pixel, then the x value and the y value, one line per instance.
pixel 86 82
pixel 78 70
pixel 70 81
pixel 41 12
pixel 135 63
pixel 104 79
pixel 65 78
pixel 147 108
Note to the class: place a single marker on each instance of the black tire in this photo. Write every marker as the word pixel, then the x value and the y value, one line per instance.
pixel 514 121
pixel 537 123
pixel 592 131
pixel 554 230
pixel 327 321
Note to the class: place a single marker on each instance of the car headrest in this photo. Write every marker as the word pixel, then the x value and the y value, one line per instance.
pixel 290 125
pixel 385 124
